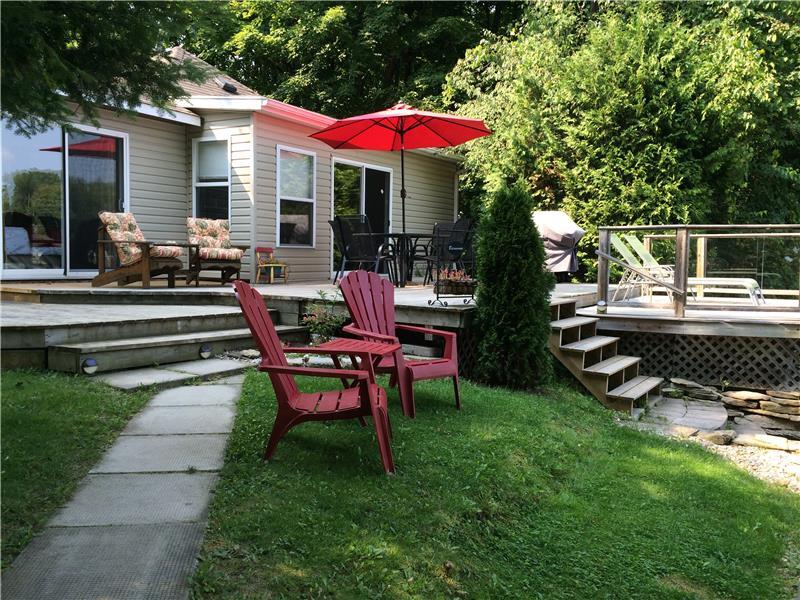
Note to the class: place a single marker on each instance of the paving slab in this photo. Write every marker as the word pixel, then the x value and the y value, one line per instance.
pixel 161 420
pixel 163 453
pixel 139 562
pixel 197 395
pixel 211 366
pixel 237 380
pixel 136 378
pixel 138 499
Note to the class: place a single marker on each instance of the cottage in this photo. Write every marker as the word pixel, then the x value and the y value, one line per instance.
pixel 223 151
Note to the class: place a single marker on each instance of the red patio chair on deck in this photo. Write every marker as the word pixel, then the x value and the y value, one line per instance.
pixel 370 300
pixel 364 398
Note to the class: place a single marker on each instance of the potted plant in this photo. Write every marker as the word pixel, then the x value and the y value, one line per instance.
pixel 321 319
pixel 455 282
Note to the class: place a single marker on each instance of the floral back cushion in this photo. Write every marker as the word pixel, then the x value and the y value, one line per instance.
pixel 209 233
pixel 122 227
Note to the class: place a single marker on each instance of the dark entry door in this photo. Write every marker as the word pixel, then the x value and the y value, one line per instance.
pixel 376 199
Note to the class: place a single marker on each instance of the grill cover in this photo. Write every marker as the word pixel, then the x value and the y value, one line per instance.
pixel 561 236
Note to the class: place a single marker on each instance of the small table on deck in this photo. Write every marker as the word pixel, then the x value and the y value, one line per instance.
pixel 404 244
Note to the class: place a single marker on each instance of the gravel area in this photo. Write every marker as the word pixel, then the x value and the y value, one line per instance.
pixel 775 466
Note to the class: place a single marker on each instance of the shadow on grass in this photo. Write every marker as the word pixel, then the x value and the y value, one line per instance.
pixel 519 495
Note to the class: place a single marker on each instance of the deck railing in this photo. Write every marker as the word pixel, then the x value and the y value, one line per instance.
pixel 683 235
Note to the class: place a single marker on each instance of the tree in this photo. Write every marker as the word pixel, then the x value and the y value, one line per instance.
pixel 641 113
pixel 110 54
pixel 513 308
pixel 344 58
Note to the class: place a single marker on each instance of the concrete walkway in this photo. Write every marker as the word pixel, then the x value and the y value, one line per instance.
pixel 134 526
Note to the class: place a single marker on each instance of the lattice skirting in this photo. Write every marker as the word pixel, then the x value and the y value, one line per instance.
pixel 746 362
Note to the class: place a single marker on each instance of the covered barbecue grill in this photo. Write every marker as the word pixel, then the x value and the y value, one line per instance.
pixel 561 236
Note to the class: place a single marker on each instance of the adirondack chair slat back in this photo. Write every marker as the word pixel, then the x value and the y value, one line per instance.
pixel 257 316
pixel 370 300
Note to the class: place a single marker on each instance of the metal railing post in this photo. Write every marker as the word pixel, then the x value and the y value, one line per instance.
pixel 681 270
pixel 602 268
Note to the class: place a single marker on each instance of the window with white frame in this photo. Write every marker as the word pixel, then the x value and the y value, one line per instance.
pixel 212 184
pixel 296 197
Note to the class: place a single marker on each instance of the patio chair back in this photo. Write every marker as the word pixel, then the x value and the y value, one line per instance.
pixel 269 345
pixel 357 239
pixel 625 252
pixel 370 300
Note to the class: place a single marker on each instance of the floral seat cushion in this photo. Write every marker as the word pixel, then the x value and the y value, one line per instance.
pixel 123 229
pixel 214 238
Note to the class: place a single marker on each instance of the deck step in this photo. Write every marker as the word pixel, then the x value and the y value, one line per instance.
pixel 112 355
pixel 589 344
pixel 560 301
pixel 636 387
pixel 572 322
pixel 612 365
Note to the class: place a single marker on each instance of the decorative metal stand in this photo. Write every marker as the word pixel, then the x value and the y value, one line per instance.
pixel 446 288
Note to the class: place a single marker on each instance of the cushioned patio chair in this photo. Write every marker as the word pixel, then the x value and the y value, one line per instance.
pixel 361 398
pixel 139 260
pixel 213 251
pixel 370 300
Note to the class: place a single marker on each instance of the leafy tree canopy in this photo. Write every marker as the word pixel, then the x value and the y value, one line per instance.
pixel 94 53
pixel 345 58
pixel 641 113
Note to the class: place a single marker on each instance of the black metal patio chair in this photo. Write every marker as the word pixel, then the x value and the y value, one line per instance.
pixel 360 247
pixel 450 247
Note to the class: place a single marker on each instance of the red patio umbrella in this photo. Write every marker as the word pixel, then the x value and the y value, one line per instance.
pixel 99 147
pixel 401 127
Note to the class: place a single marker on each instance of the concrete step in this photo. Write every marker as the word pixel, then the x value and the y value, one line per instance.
pixel 636 388
pixel 570 322
pixel 593 343
pixel 613 365
pixel 126 353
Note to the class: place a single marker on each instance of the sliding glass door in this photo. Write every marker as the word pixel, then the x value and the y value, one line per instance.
pixel 51 199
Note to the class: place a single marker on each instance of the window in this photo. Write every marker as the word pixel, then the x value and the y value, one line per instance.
pixel 296 195
pixel 211 179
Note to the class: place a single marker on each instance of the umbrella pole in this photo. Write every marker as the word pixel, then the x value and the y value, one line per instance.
pixel 403 181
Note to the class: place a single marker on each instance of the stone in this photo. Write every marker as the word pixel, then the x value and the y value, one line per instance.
pixel 138 499
pixel 739 402
pixel 670 392
pixel 793 445
pixel 680 430
pixel 163 453
pixel 704 394
pixel 160 420
pixel 769 413
pixel 784 401
pixel 784 394
pixel 136 378
pixel 746 395
pixel 765 421
pixel 685 383
pixel 779 408
pixel 790 434
pixel 250 353
pixel 197 395
pixel 210 366
pixel 721 437
pixel 762 440
pixel 733 413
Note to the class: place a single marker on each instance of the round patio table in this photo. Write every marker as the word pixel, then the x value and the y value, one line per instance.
pixel 404 244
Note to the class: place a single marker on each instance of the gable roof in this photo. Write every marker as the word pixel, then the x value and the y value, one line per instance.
pixel 213 85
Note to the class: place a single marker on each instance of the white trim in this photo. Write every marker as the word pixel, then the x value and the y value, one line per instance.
pixel 211 137
pixel 253 214
pixel 312 200
pixel 362 200
pixel 248 103
pixel 162 113
pixel 456 178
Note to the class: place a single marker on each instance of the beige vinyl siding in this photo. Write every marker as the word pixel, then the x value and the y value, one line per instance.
pixel 234 126
pixel 429 185
pixel 157 175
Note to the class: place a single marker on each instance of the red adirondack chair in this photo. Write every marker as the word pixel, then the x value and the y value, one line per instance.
pixel 370 300
pixel 363 398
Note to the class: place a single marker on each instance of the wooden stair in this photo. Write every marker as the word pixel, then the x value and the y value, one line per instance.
pixel 612 378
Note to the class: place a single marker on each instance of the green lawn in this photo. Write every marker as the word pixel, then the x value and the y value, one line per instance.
pixel 54 428
pixel 519 496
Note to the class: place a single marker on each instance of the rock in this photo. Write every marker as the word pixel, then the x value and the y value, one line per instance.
pixel 761 441
pixel 772 422
pixel 738 402
pixel 670 392
pixel 746 395
pixel 733 413
pixel 779 408
pixel 794 446
pixel 790 434
pixel 704 394
pixel 784 401
pixel 250 353
pixel 782 394
pixel 769 413
pixel 685 383
pixel 680 430
pixel 722 437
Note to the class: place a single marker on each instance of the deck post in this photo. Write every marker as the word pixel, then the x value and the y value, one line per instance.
pixel 700 270
pixel 681 270
pixel 602 268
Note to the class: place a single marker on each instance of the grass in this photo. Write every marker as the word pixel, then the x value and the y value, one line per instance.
pixel 54 428
pixel 519 496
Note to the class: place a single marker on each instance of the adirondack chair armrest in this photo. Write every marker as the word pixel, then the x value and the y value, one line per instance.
pixel 450 338
pixel 362 333
pixel 315 372
pixel 332 351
